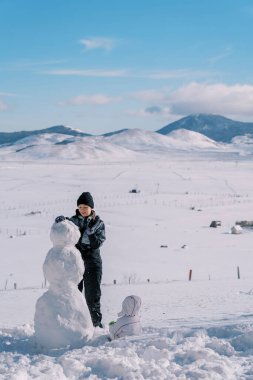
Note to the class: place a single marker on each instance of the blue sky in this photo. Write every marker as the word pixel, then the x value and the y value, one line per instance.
pixel 103 65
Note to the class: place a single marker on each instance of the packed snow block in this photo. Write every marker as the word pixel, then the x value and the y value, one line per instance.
pixel 215 223
pixel 236 229
pixel 62 318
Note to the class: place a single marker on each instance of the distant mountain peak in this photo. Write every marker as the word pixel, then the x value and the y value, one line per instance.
pixel 61 129
pixel 12 137
pixel 216 127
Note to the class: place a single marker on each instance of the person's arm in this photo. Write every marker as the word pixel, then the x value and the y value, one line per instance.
pixel 96 233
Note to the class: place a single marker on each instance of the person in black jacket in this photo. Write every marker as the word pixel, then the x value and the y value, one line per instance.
pixel 92 231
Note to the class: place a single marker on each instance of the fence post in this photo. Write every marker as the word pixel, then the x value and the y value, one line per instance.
pixel 190 274
pixel 238 273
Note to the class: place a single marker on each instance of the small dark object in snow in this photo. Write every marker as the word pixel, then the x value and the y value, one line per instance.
pixel 33 213
pixel 184 246
pixel 215 223
pixel 135 191
pixel 163 246
pixel 244 223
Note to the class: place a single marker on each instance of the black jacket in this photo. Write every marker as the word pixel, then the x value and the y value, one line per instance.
pixel 92 231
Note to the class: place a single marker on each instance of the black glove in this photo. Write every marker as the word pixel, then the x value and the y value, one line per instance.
pixel 60 218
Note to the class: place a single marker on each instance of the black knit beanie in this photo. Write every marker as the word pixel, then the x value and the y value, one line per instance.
pixel 85 199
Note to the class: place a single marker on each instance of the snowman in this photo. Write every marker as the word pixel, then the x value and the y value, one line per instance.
pixel 62 318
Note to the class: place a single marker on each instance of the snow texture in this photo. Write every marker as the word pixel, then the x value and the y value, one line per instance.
pixel 62 317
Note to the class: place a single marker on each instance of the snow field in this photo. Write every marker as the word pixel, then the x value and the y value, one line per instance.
pixel 192 330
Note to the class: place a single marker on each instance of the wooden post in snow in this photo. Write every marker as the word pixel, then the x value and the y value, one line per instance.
pixel 190 274
pixel 238 273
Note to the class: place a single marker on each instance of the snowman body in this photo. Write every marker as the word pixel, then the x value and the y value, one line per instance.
pixel 62 318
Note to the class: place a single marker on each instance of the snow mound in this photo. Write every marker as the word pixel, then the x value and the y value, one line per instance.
pixel 221 353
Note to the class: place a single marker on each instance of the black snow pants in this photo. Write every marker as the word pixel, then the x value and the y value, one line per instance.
pixel 92 291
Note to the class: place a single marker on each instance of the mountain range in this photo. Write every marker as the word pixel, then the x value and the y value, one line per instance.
pixel 216 127
pixel 194 133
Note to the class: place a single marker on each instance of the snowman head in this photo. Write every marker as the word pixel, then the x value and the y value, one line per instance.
pixel 65 233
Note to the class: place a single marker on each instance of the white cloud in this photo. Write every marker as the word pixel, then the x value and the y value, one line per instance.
pixel 233 101
pixel 96 99
pixel 154 111
pixel 127 73
pixel 213 98
pixel 98 43
pixel 88 73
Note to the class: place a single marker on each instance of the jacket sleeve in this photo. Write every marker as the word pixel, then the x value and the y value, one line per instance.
pixel 74 220
pixel 98 237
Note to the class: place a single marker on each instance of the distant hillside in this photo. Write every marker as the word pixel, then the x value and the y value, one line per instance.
pixel 215 127
pixel 12 137
pixel 108 134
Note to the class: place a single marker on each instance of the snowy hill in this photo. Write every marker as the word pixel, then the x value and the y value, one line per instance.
pixel 63 143
pixel 128 144
pixel 139 140
pixel 58 147
pixel 216 127
pixel 191 139
pixel 12 137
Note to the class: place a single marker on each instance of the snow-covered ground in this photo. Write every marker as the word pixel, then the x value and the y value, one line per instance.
pixel 199 329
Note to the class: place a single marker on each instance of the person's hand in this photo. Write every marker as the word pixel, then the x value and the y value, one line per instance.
pixel 92 226
pixel 59 219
